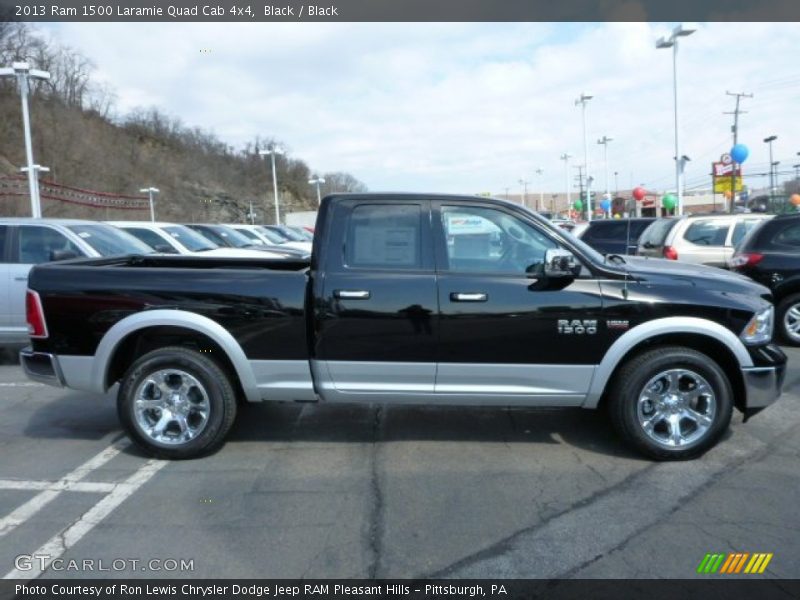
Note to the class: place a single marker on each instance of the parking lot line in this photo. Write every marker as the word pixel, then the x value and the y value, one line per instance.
pixel 39 501
pixel 56 546
pixel 97 487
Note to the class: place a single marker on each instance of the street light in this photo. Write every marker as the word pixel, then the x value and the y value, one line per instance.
pixel 539 172
pixel 583 99
pixel 604 141
pixel 524 185
pixel 24 73
pixel 682 30
pixel 317 181
pixel 565 157
pixel 150 191
pixel 273 150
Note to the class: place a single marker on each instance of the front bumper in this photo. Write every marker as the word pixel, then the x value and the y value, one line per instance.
pixel 41 367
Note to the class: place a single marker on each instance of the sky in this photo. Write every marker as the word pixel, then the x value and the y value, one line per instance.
pixel 463 107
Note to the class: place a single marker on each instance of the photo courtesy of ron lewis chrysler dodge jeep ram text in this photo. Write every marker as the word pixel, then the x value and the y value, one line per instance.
pixel 409 298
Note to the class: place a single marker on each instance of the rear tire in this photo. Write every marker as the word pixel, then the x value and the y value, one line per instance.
pixel 788 320
pixel 671 403
pixel 175 403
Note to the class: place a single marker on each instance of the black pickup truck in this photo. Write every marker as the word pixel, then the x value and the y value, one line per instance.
pixel 409 298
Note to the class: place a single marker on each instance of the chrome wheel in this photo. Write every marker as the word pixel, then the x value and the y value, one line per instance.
pixel 791 322
pixel 676 408
pixel 171 406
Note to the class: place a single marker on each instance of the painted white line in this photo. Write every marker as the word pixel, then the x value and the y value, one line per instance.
pixel 39 501
pixel 56 546
pixel 21 384
pixel 96 487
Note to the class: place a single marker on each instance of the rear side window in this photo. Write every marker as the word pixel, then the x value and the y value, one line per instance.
pixel 707 233
pixel 741 229
pixel 788 237
pixel 606 230
pixel 657 232
pixel 3 238
pixel 37 244
pixel 384 236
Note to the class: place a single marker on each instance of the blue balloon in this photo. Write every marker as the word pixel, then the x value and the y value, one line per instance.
pixel 605 204
pixel 739 153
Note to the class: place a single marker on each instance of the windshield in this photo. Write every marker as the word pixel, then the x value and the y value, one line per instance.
pixel 233 237
pixel 193 241
pixel 278 232
pixel 306 235
pixel 251 235
pixel 110 241
pixel 292 234
pixel 657 232
pixel 271 235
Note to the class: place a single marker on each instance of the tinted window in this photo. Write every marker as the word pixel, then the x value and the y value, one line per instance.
pixel 151 238
pixel 251 235
pixel 707 233
pixel 741 229
pixel 487 240
pixel 605 230
pixel 657 231
pixel 385 236
pixel 37 244
pixel 110 241
pixel 292 235
pixel 189 238
pixel 233 237
pixel 271 235
pixel 788 237
pixel 211 235
pixel 3 237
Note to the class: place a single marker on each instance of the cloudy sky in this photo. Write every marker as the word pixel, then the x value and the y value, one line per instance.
pixel 469 107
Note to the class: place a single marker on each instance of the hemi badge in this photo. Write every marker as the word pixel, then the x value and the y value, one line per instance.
pixel 617 324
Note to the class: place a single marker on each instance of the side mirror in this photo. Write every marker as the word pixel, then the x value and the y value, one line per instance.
pixel 560 263
pixel 56 255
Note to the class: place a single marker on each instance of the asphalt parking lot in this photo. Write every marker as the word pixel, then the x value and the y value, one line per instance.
pixel 320 491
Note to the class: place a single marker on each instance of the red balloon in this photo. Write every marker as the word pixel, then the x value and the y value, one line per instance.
pixel 639 193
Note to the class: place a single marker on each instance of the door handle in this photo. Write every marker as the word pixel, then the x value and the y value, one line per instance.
pixel 21 278
pixel 351 294
pixel 468 297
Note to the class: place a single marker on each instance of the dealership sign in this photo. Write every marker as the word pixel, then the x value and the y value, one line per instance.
pixel 722 172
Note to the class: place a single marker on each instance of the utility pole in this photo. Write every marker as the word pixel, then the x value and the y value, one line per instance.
pixel 735 130
pixel 616 183
pixel 769 140
pixel 583 100
pixel 507 195
pixel 541 190
pixel 273 150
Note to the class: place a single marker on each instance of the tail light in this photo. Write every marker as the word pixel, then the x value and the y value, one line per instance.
pixel 749 259
pixel 37 327
pixel 670 253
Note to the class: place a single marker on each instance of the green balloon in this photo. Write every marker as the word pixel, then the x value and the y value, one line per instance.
pixel 577 205
pixel 668 201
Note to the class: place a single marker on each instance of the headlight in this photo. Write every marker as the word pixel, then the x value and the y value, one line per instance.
pixel 759 329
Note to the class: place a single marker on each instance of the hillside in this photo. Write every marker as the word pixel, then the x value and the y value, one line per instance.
pixel 85 145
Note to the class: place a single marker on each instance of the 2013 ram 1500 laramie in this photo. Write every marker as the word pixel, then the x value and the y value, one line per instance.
pixel 410 298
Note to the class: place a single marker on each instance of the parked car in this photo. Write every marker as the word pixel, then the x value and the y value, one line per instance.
pixel 170 238
pixel 227 237
pixel 770 254
pixel 303 232
pixel 26 242
pixel 289 235
pixel 259 234
pixel 388 312
pixel 699 239
pixel 615 236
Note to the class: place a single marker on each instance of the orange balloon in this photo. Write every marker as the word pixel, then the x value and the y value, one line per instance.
pixel 728 195
pixel 795 199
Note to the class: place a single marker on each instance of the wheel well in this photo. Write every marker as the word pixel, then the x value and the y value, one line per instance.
pixel 144 340
pixel 709 346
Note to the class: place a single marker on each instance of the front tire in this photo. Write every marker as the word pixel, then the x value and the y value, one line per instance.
pixel 671 403
pixel 175 403
pixel 788 318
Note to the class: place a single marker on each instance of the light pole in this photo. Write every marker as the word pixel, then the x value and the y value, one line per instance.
pixel 273 150
pixel 524 185
pixel 317 180
pixel 681 30
pixel 605 141
pixel 583 99
pixel 565 157
pixel 539 172
pixel 24 73
pixel 150 191
pixel 769 140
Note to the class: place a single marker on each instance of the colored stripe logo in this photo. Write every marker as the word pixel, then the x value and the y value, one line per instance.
pixel 735 562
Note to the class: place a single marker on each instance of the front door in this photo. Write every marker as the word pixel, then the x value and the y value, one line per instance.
pixel 376 313
pixel 507 336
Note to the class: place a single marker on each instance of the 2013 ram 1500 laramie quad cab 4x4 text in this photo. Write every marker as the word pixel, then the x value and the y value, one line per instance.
pixel 408 298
